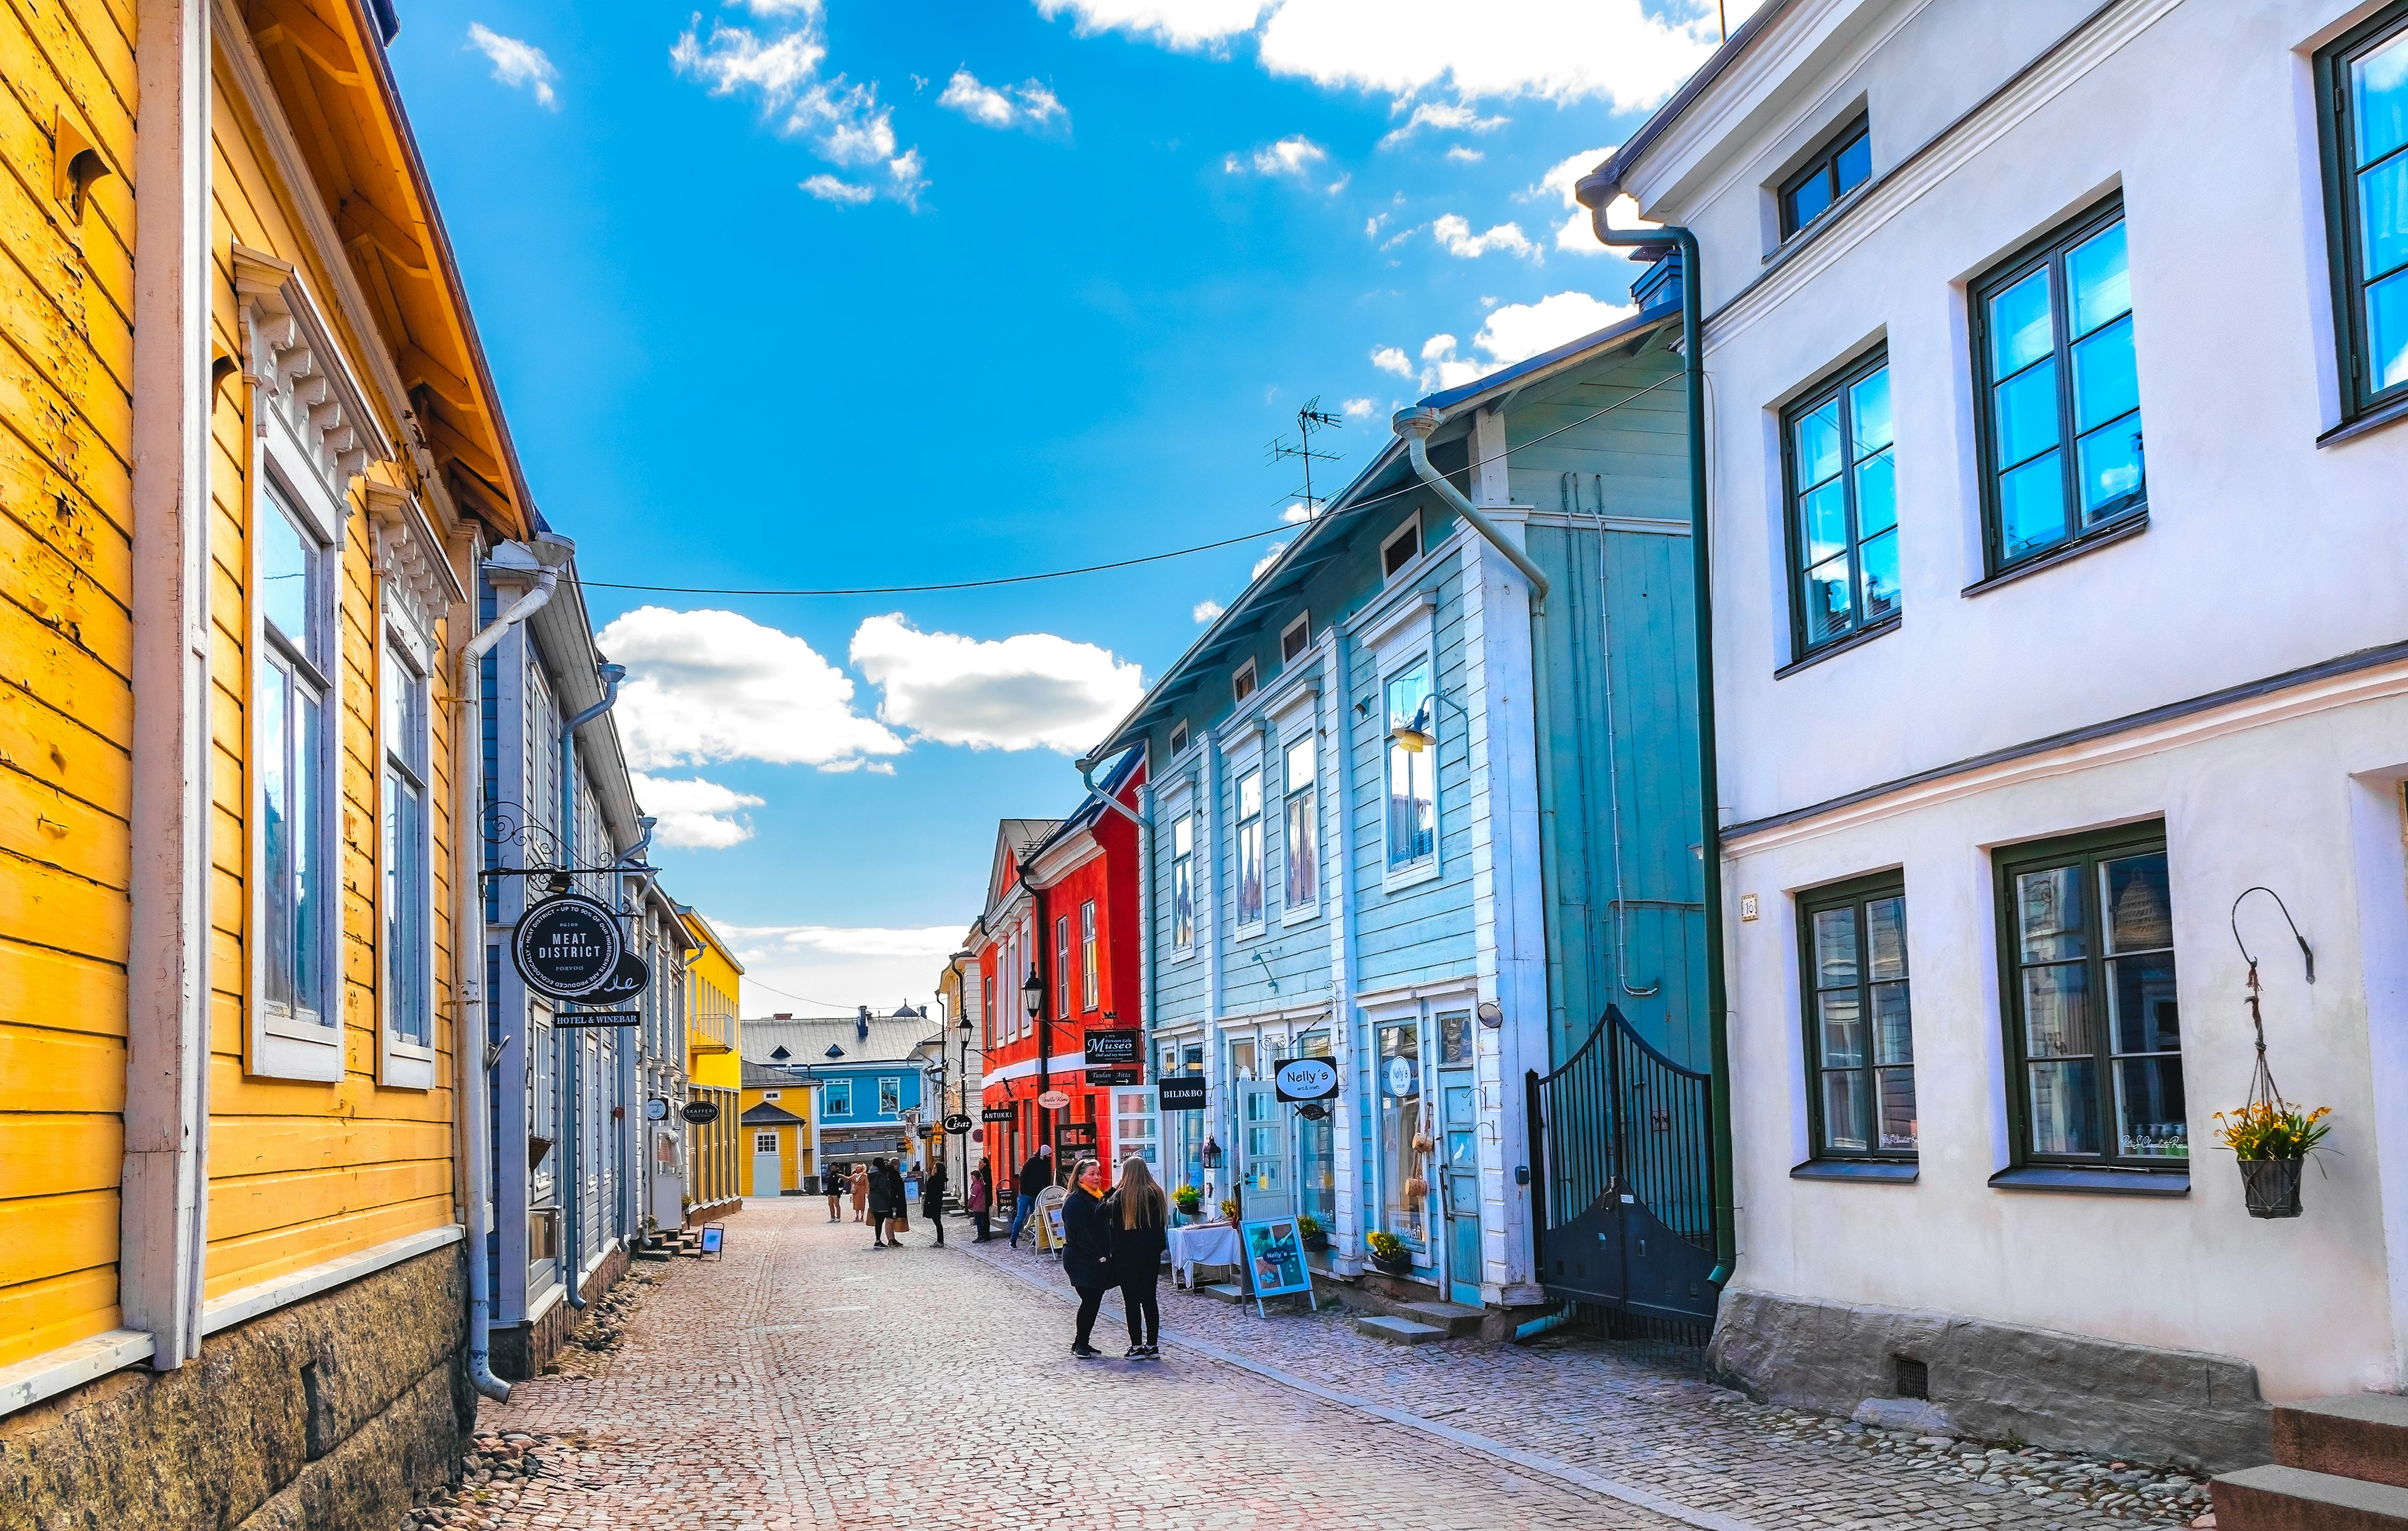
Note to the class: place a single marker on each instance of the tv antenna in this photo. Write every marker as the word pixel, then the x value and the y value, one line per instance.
pixel 1309 419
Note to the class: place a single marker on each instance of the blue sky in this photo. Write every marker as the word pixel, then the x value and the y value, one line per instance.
pixel 827 292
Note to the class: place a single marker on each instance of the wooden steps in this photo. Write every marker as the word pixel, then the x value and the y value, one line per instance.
pixel 1455 1318
pixel 2340 1465
pixel 1398 1331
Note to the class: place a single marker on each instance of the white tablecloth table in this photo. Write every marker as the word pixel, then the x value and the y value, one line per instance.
pixel 1202 1244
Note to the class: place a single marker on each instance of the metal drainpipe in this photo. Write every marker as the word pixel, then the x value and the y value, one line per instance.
pixel 1596 193
pixel 1414 426
pixel 573 1048
pixel 469 1048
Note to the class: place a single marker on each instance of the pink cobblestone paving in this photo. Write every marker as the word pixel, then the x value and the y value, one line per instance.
pixel 809 1380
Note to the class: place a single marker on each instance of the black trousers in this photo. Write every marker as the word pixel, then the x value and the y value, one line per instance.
pixel 1091 1302
pixel 978 1220
pixel 935 1216
pixel 1139 1300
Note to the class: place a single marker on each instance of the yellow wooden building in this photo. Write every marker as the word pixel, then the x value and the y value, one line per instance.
pixel 250 458
pixel 777 1158
pixel 714 1150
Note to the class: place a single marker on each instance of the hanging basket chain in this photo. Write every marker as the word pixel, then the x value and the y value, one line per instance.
pixel 2262 1090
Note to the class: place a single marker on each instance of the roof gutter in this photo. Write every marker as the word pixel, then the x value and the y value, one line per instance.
pixel 1596 193
pixel 1413 427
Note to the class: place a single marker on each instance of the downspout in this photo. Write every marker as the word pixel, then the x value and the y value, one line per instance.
pixel 1596 193
pixel 472 1055
pixel 1413 427
pixel 626 1214
pixel 573 1072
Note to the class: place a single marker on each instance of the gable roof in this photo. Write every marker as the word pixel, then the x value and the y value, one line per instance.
pixel 806 1039
pixel 1014 840
pixel 768 1114
pixel 1091 807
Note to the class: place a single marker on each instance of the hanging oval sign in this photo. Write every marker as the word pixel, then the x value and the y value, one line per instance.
pixel 957 1123
pixel 1306 1079
pixel 700 1112
pixel 629 978
pixel 566 946
pixel 1053 1100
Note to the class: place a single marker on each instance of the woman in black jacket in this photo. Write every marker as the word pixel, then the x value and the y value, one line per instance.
pixel 932 1197
pixel 1138 1216
pixel 1087 1250
pixel 885 1200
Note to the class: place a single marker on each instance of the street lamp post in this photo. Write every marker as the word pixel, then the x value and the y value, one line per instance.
pixel 1034 993
pixel 965 1029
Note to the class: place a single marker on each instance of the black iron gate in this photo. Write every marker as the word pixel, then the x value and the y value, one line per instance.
pixel 1622 1139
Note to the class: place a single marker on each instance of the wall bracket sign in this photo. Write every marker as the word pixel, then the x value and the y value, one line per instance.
pixel 567 946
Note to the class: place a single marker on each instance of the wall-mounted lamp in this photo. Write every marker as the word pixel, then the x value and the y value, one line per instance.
pixel 1420 731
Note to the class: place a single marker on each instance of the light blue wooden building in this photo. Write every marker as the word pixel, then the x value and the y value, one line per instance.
pixel 1405 818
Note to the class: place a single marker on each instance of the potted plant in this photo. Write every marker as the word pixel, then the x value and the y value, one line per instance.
pixel 1389 1253
pixel 2271 1139
pixel 1187 1200
pixel 1229 1208
pixel 1310 1232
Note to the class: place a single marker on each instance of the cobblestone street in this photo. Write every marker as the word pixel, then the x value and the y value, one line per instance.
pixel 809 1380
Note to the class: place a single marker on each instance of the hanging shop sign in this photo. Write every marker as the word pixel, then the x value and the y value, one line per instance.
pixel 1053 1100
pixel 1306 1079
pixel 1181 1094
pixel 1074 1137
pixel 632 977
pixel 656 1109
pixel 1402 1078
pixel 1115 1076
pixel 1115 1048
pixel 994 1113
pixel 700 1112
pixel 567 946
pixel 957 1123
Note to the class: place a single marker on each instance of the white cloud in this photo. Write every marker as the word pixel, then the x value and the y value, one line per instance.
pixel 1453 233
pixel 1621 51
pixel 1295 156
pixel 694 814
pixel 516 63
pixel 1458 118
pixel 829 188
pixel 1371 225
pixel 828 969
pixel 1027 104
pixel 1206 611
pixel 1297 513
pixel 843 940
pixel 1268 559
pixel 705 686
pixel 1359 409
pixel 845 123
pixel 1461 155
pixel 1027 692
pixel 1389 358
pixel 1517 332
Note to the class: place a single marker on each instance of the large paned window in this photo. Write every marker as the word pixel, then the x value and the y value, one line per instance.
pixel 1412 772
pixel 1091 984
pixel 1250 848
pixel 1837 168
pixel 836 1097
pixel 1843 506
pixel 2086 940
pixel 1859 1037
pixel 295 751
pixel 1302 838
pixel 1317 1147
pixel 2362 83
pixel 1183 882
pixel 1062 965
pixel 409 891
pixel 2060 390
pixel 890 1097
pixel 1404 1190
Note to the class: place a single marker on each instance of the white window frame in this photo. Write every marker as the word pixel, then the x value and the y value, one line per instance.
pixel 1179 738
pixel 773 1094
pixel 1303 621
pixel 1411 526
pixel 1299 913
pixel 1253 764
pixel 1182 813
pixel 1061 962
pixel 836 1098
pixel 1405 646
pixel 1091 988
pixel 1244 681
pixel 282 1045
pixel 769 1135
pixel 404 1063
pixel 897 1081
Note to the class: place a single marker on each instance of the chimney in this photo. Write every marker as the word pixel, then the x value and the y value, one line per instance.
pixel 861 1024
pixel 783 1015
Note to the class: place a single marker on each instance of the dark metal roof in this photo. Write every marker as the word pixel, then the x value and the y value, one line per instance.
pixel 1738 42
pixel 770 1114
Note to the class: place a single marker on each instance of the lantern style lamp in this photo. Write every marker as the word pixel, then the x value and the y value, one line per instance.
pixel 1211 1154
pixel 1033 992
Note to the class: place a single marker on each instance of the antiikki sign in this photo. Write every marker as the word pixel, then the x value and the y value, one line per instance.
pixel 567 946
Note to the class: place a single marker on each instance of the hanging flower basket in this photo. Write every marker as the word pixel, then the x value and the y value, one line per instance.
pixel 2271 1186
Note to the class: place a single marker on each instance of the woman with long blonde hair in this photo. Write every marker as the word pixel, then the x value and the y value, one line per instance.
pixel 1086 1251
pixel 1140 1216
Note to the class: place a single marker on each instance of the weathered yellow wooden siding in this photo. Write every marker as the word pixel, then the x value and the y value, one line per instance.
pixel 67 346
pixel 302 1173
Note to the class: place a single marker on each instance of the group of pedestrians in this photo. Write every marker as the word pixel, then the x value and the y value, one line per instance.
pixel 881 1196
pixel 1116 1239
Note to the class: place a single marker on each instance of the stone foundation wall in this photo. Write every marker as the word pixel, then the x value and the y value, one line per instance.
pixel 326 1416
pixel 520 1350
pixel 1994 1381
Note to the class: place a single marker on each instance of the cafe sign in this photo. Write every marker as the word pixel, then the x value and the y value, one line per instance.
pixel 568 947
pixel 1306 1079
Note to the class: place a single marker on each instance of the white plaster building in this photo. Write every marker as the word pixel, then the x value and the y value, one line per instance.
pixel 2068 710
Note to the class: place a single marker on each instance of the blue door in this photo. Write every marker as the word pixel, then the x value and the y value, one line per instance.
pixel 1459 1177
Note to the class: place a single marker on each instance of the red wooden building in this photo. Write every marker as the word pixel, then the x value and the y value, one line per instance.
pixel 1062 906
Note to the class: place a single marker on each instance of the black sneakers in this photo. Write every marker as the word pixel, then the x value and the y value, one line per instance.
pixel 1084 1351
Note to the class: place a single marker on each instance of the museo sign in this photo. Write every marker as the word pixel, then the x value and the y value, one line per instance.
pixel 567 946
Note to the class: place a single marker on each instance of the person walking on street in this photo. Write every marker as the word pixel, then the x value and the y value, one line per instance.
pixel 833 1182
pixel 884 1194
pixel 1087 1250
pixel 981 1198
pixel 898 1203
pixel 932 1198
pixel 861 1192
pixel 1035 1176
pixel 1137 1217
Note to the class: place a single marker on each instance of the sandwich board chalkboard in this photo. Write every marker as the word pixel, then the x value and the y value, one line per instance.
pixel 1275 1261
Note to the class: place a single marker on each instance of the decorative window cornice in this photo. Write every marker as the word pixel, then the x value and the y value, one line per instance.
pixel 293 358
pixel 418 578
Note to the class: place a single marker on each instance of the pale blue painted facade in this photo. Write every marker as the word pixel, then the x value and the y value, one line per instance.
pixel 1552 870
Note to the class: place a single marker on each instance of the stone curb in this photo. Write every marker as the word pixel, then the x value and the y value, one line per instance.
pixel 1545 1467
